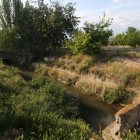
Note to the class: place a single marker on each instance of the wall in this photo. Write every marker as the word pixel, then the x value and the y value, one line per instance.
pixel 126 118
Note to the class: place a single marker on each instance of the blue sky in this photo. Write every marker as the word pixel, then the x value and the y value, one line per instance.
pixel 125 13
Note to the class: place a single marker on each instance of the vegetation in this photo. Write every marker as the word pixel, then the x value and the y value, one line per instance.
pixel 31 31
pixel 91 39
pixel 40 107
pixel 100 75
pixel 130 37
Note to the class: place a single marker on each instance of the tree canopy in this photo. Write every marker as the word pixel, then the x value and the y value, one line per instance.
pixel 130 37
pixel 31 31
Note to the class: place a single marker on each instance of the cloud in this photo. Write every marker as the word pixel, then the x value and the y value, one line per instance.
pixel 110 13
pixel 82 16
pixel 125 20
pixel 115 1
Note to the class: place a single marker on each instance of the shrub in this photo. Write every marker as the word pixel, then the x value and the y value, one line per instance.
pixel 38 82
pixel 115 95
pixel 91 39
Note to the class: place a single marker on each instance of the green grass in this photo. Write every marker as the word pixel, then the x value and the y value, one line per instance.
pixel 40 106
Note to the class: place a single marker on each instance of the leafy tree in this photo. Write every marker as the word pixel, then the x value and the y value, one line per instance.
pixel 92 38
pixel 133 38
pixel 31 31
pixel 131 30
pixel 130 37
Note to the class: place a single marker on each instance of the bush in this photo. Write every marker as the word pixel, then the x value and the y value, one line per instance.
pixel 38 82
pixel 115 95
pixel 91 39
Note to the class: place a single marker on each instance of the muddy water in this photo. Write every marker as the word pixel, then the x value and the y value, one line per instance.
pixel 92 109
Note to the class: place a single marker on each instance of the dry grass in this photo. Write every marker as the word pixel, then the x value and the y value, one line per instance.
pixel 118 72
pixel 130 54
pixel 78 58
pixel 94 86
pixel 82 69
pixel 123 51
pixel 113 66
pixel 87 83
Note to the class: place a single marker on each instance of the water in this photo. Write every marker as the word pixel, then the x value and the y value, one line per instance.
pixel 93 110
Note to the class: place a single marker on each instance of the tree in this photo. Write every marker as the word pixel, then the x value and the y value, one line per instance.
pixel 64 22
pixel 131 30
pixel 92 38
pixel 31 31
pixel 132 38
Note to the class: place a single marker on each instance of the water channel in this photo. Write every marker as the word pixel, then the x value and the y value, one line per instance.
pixel 93 110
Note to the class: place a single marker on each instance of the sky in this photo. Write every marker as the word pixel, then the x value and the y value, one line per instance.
pixel 125 13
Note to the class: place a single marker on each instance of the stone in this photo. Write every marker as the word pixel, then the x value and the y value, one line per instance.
pixel 127 117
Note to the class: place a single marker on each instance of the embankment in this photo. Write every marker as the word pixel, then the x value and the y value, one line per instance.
pixel 90 84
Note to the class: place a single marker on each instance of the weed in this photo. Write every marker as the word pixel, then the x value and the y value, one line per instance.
pixel 58 63
pixel 78 58
pixel 72 67
pixel 82 69
pixel 89 61
pixel 53 73
pixel 68 56
pixel 63 67
pixel 115 95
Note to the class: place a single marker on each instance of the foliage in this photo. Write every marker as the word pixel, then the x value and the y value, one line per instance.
pixel 91 39
pixel 130 37
pixel 31 31
pixel 41 107
pixel 115 95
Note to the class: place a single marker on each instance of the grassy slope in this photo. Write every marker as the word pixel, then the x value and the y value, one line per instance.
pixel 40 107
pixel 99 75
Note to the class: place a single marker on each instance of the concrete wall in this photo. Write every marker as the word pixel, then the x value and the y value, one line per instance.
pixel 126 118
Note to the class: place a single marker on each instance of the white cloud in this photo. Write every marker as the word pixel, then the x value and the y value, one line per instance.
pixel 82 16
pixel 110 13
pixel 117 1
pixel 125 20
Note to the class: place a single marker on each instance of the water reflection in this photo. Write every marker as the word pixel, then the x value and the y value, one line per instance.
pixel 94 111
